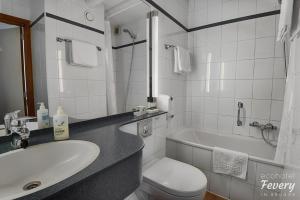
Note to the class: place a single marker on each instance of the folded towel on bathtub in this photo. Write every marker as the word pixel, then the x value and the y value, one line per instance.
pixel 230 162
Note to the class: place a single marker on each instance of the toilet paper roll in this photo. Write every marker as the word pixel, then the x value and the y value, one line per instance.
pixel 164 102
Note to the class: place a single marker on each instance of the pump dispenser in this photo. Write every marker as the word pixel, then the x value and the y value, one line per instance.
pixel 61 125
pixel 42 116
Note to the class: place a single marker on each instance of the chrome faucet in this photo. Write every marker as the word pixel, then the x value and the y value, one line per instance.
pixel 8 119
pixel 20 133
pixel 17 129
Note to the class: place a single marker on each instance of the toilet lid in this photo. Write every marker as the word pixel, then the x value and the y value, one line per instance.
pixel 176 178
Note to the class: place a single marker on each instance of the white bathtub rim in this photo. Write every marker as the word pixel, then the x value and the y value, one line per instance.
pixel 209 148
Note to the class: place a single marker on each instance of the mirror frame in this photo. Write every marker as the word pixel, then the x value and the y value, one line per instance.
pixel 27 73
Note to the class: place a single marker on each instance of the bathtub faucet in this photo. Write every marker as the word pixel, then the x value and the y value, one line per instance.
pixel 267 126
pixel 264 127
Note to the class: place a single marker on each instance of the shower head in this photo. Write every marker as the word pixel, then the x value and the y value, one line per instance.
pixel 132 35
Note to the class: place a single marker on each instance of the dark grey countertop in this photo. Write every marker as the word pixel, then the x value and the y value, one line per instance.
pixel 114 144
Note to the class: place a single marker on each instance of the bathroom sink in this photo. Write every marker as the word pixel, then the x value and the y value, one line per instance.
pixel 26 171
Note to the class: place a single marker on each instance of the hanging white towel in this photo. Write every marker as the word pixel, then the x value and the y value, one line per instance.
pixel 182 60
pixel 285 20
pixel 82 54
pixel 230 162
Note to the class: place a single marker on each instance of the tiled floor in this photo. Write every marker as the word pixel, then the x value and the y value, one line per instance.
pixel 210 196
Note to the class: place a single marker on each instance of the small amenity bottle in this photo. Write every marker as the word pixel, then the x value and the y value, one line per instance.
pixel 60 125
pixel 42 116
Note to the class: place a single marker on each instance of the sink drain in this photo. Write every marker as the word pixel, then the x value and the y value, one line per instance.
pixel 32 185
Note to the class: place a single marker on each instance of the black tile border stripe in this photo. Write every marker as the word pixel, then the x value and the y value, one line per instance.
pixel 74 23
pixel 265 14
pixel 37 20
pixel 155 5
pixel 130 44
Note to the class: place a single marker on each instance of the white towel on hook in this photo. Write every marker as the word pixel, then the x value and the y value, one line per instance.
pixel 82 54
pixel 182 60
pixel 230 162
pixel 285 20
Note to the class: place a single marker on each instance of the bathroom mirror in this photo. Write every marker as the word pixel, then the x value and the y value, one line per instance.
pixel 129 44
pixel 87 84
pixel 16 86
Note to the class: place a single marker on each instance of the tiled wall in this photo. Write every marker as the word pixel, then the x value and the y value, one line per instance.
pixel 137 94
pixel 202 12
pixel 80 90
pixel 155 145
pixel 170 83
pixel 223 185
pixel 235 62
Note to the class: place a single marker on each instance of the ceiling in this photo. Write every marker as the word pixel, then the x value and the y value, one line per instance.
pixel 111 3
pixel 130 15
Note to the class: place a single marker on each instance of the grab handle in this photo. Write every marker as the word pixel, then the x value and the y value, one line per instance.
pixel 240 106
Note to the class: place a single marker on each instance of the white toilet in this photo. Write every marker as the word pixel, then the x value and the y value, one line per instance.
pixel 165 178
pixel 169 179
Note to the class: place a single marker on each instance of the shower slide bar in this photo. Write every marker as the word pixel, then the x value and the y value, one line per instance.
pixel 169 46
pixel 58 39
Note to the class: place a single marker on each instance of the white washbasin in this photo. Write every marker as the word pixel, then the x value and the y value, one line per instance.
pixel 47 164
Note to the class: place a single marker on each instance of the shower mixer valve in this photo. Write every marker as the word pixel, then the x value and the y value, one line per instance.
pixel 267 126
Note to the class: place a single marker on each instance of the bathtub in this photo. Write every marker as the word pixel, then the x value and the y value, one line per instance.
pixel 195 148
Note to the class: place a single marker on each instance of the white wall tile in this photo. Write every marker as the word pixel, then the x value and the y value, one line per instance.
pixel 226 106
pixel 230 9
pixel 198 88
pixel 212 88
pixel 246 30
pixel 171 149
pixel 184 153
pixel 265 47
pixel 244 89
pixel 211 105
pixel 227 88
pixel 211 122
pixel 261 109
pixel 263 68
pixel 229 51
pixel 225 124
pixel 220 184
pixel 279 68
pixel 202 158
pixel 278 89
pixel 245 69
pixel 229 32
pixel 228 70
pixel 262 89
pixel 266 5
pixel 198 104
pixel 247 7
pixel 265 27
pixel 237 62
pixel 246 49
pixel 214 9
pixel 276 110
pixel 263 170
pixel 241 190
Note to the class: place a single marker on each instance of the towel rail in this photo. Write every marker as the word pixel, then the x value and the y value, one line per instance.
pixel 169 46
pixel 59 39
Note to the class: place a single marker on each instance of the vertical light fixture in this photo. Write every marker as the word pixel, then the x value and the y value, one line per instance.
pixel 152 56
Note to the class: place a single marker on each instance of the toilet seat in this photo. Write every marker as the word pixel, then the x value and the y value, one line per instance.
pixel 176 178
